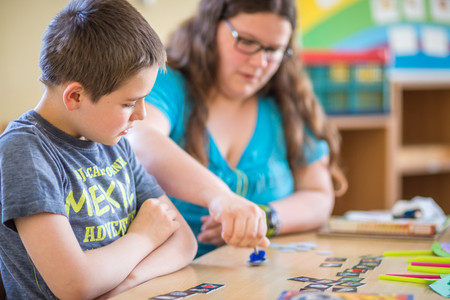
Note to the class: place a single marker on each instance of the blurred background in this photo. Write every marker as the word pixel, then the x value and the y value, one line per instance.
pixel 379 67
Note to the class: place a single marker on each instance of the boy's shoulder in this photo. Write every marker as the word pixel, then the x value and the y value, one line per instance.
pixel 23 126
pixel 21 140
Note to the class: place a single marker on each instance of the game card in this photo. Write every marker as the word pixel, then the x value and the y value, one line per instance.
pixel 318 286
pixel 352 279
pixel 304 279
pixel 306 289
pixel 370 263
pixel 364 266
pixel 352 284
pixel 196 290
pixel 327 281
pixel 205 288
pixel 348 274
pixel 330 265
pixel 355 270
pixel 341 259
pixel 344 290
pixel 170 296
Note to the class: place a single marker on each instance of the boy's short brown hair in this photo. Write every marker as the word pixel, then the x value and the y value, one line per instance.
pixel 99 43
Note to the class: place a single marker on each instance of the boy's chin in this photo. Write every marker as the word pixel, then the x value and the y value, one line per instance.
pixel 110 142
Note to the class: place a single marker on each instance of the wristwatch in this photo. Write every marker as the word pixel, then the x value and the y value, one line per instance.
pixel 273 221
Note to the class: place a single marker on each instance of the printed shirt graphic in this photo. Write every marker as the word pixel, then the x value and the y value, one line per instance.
pixel 98 187
pixel 262 174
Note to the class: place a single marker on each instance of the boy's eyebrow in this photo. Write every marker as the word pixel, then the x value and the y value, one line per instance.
pixel 136 98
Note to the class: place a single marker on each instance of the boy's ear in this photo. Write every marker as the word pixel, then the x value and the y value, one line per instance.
pixel 72 95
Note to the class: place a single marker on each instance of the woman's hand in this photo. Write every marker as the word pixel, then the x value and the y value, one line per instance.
pixel 243 222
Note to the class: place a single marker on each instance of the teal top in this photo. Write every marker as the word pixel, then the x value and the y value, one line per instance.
pixel 262 174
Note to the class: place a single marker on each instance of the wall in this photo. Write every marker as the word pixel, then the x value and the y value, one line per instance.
pixel 22 24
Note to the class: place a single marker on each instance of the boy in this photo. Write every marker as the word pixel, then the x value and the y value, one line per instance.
pixel 80 216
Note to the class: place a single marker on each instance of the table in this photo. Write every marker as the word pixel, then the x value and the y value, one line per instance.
pixel 227 265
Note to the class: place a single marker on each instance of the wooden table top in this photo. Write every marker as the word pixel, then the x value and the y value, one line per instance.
pixel 227 265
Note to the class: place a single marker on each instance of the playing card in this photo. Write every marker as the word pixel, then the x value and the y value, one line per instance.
pixel 206 287
pixel 348 274
pixel 327 281
pixel 352 270
pixel 344 290
pixel 350 283
pixel 318 286
pixel 304 279
pixel 165 297
pixel 170 296
pixel 364 266
pixel 341 259
pixel 352 279
pixel 331 265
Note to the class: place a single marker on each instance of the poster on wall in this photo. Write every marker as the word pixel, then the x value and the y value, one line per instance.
pixel 416 33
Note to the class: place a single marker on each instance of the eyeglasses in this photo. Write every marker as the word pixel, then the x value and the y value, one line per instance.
pixel 250 47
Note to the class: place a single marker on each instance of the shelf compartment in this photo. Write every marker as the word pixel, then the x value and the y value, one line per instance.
pixel 423 159
pixel 361 122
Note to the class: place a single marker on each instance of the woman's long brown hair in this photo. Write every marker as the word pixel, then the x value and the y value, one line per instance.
pixel 192 50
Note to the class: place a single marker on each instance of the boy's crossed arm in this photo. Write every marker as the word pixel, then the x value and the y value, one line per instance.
pixel 77 274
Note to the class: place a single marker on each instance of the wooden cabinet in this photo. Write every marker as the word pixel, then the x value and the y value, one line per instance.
pixel 365 157
pixel 402 154
pixel 422 140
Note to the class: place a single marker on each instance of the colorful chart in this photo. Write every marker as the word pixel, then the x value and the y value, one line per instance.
pixel 416 32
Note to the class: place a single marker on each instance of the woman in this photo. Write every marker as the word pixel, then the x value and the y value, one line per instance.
pixel 234 97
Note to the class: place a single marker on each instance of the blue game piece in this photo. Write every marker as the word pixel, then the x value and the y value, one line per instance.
pixel 257 255
pixel 257 258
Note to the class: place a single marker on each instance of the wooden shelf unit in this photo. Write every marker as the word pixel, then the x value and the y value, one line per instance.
pixel 422 140
pixel 402 154
pixel 423 159
pixel 366 149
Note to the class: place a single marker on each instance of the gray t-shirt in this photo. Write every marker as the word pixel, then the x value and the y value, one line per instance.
pixel 99 188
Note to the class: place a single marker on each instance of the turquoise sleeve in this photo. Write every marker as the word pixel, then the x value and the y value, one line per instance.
pixel 314 149
pixel 168 95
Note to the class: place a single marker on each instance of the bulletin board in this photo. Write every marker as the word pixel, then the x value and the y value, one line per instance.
pixel 415 32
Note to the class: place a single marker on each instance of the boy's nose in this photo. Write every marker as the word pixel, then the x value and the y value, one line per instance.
pixel 139 112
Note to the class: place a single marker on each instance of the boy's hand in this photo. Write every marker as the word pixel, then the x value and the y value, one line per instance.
pixel 211 232
pixel 155 221
pixel 243 222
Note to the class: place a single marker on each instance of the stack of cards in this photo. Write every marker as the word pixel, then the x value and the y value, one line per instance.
pixel 349 279
pixel 343 284
pixel 203 288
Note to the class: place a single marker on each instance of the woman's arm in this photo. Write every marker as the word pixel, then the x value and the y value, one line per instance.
pixel 75 274
pixel 181 176
pixel 175 253
pixel 310 206
pixel 307 208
